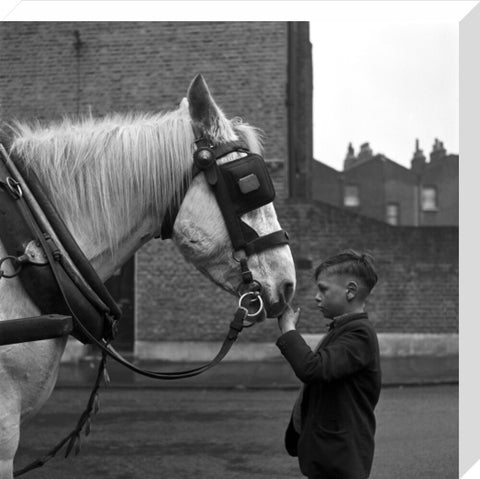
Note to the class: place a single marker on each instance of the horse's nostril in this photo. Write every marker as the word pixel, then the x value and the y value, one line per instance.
pixel 287 290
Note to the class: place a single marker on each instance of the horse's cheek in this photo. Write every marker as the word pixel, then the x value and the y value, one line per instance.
pixel 190 241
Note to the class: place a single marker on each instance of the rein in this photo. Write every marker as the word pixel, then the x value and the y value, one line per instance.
pixel 53 256
pixel 249 291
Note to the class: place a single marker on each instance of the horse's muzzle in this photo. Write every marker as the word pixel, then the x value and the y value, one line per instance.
pixel 286 292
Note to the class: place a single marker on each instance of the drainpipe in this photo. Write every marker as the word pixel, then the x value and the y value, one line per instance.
pixel 299 110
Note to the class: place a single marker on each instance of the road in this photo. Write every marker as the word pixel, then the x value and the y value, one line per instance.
pixel 229 434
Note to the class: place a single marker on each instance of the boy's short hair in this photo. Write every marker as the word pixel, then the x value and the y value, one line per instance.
pixel 359 265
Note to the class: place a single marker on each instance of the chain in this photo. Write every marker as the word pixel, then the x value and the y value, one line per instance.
pixel 73 440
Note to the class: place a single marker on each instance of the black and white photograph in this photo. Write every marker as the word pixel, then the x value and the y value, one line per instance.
pixel 229 240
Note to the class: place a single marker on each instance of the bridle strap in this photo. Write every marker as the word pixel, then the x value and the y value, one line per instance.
pixel 261 243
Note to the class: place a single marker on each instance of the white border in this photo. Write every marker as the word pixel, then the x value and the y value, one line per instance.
pixel 396 11
pixel 469 400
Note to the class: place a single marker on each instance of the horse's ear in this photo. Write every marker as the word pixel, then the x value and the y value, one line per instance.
pixel 203 109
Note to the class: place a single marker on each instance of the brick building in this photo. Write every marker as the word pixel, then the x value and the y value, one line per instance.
pixel 373 185
pixel 262 72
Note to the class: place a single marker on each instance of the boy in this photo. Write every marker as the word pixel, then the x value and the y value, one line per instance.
pixel 333 424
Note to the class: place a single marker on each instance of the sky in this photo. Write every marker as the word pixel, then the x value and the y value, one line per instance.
pixel 387 84
pixel 387 78
pixel 385 72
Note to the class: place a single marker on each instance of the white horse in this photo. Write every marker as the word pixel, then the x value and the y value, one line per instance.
pixel 111 180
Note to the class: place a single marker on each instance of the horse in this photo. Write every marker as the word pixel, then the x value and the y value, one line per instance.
pixel 112 180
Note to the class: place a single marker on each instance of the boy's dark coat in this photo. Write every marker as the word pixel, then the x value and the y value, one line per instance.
pixel 342 386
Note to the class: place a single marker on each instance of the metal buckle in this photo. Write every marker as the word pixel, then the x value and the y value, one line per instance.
pixel 35 254
pixel 17 264
pixel 257 297
pixel 14 187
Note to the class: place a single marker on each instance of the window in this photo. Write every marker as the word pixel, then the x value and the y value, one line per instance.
pixel 393 214
pixel 429 198
pixel 351 197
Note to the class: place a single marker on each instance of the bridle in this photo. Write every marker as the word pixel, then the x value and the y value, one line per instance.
pixel 239 186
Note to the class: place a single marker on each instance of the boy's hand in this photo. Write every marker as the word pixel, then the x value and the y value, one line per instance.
pixel 288 320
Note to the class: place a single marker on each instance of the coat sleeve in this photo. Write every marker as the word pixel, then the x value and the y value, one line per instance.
pixel 351 351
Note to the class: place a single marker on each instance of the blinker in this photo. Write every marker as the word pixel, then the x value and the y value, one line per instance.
pixel 240 186
pixel 248 185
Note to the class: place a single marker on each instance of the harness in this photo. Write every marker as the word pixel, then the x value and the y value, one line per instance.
pixel 51 266
pixel 59 278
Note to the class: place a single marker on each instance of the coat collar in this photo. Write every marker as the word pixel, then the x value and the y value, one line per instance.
pixel 346 318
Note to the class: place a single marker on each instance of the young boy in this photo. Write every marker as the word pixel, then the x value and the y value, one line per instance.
pixel 333 424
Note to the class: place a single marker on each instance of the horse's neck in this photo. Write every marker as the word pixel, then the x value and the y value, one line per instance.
pixel 108 253
pixel 124 233
pixel 103 259
pixel 120 203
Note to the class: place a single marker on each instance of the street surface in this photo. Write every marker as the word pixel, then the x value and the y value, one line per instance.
pixel 230 434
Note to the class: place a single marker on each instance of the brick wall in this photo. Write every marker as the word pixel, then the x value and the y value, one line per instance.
pixel 418 267
pixel 417 291
pixel 47 71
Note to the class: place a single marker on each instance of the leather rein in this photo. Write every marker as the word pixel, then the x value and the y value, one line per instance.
pixel 30 198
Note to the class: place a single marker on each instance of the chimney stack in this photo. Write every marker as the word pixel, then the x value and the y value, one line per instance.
pixel 418 161
pixel 365 152
pixel 438 151
pixel 349 157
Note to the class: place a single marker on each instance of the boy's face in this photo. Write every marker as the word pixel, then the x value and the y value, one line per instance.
pixel 332 294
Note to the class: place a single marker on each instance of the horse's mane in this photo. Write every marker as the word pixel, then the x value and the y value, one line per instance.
pixel 122 163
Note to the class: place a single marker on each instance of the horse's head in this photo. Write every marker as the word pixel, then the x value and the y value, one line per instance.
pixel 200 229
